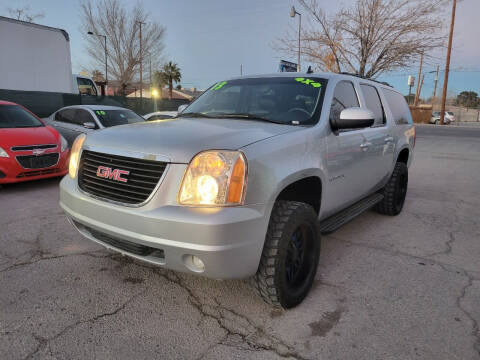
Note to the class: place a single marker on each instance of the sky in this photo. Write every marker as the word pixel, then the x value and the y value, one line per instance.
pixel 210 39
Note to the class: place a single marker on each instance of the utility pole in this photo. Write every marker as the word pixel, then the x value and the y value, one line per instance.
pixel 447 66
pixel 436 82
pixel 415 103
pixel 141 59
pixel 241 69
pixel 420 88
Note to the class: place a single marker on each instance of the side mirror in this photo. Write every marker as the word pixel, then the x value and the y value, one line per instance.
pixel 353 118
pixel 181 108
pixel 89 125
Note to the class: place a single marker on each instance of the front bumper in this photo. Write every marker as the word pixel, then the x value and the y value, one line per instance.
pixel 229 240
pixel 12 172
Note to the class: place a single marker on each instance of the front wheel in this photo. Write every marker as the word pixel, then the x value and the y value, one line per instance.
pixel 395 191
pixel 290 255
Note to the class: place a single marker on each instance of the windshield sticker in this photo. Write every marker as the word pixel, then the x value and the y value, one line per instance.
pixel 100 112
pixel 219 85
pixel 308 82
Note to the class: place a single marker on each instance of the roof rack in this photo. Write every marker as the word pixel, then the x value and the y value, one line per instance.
pixel 363 77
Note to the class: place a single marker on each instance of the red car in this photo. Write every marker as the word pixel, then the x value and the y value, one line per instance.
pixel 29 149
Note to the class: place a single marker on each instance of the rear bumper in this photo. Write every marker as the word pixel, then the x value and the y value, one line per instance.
pixel 229 241
pixel 12 172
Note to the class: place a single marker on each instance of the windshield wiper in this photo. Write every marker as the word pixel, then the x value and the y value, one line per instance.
pixel 194 115
pixel 250 117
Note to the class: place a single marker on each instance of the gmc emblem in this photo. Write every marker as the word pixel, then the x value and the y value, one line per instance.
pixel 112 174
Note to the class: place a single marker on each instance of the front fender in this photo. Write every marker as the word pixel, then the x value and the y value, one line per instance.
pixel 275 163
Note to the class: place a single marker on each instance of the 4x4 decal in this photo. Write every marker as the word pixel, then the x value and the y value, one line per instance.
pixel 308 82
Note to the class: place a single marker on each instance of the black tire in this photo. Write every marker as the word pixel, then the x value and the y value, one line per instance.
pixel 394 192
pixel 290 255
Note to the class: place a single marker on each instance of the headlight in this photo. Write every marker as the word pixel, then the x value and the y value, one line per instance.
pixel 75 155
pixel 3 153
pixel 214 178
pixel 63 144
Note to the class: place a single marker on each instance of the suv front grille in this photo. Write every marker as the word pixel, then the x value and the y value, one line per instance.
pixel 141 180
pixel 38 162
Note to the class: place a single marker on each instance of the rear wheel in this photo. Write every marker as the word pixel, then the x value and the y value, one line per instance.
pixel 290 255
pixel 394 192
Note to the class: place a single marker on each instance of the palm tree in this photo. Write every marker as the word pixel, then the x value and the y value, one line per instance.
pixel 169 73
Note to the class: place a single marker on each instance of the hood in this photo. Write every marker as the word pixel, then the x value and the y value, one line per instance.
pixel 181 138
pixel 28 136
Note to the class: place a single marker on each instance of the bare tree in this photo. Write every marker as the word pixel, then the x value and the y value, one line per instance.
pixel 369 37
pixel 121 27
pixel 24 14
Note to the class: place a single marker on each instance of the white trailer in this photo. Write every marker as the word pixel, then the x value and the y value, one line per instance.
pixel 37 58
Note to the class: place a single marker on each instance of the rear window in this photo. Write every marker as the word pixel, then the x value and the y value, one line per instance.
pixel 117 117
pixel 450 113
pixel 398 106
pixel 14 116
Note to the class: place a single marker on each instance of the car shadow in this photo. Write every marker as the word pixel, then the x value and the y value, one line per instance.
pixel 33 185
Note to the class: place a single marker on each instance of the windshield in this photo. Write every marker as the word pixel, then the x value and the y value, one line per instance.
pixel 117 117
pixel 14 116
pixel 286 100
pixel 450 113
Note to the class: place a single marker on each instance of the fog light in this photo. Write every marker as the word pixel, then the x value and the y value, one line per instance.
pixel 198 263
pixel 194 263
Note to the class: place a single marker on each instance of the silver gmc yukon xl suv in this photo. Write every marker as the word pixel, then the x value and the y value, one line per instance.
pixel 246 179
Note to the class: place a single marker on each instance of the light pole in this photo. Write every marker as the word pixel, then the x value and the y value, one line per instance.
pixel 105 46
pixel 294 12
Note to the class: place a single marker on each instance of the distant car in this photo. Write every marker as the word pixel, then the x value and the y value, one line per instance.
pixel 72 121
pixel 435 119
pixel 29 149
pixel 160 115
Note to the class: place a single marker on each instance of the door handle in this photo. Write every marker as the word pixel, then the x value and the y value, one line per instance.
pixel 389 139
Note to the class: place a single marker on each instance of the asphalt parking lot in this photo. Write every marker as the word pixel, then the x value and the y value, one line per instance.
pixel 405 287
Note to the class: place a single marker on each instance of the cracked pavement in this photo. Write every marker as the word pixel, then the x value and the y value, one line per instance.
pixel 405 287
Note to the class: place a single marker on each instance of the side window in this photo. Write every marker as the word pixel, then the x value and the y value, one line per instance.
pixel 66 116
pixel 344 97
pixel 399 108
pixel 86 87
pixel 83 116
pixel 373 103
